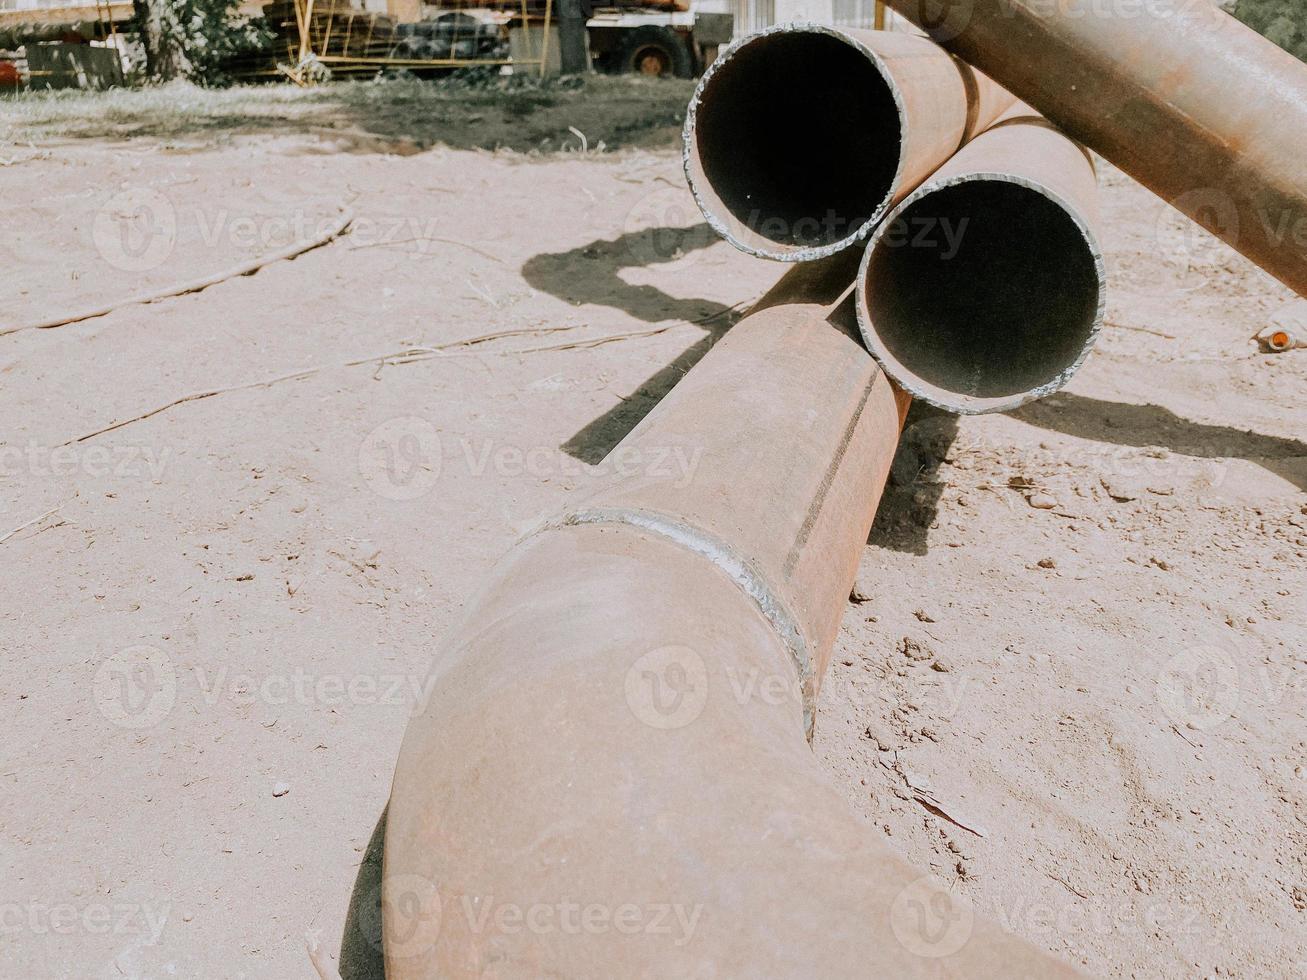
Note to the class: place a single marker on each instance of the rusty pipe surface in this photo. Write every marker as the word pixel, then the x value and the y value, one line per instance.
pixel 985 288
pixel 799 138
pixel 610 775
pixel 1190 102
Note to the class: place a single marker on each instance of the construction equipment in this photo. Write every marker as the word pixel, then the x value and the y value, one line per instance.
pixel 55 45
pixel 652 37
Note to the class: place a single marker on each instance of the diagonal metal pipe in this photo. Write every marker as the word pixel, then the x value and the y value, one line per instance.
pixel 799 138
pixel 1194 105
pixel 610 776
pixel 985 288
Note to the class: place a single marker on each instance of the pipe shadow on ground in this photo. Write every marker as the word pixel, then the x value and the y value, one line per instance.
pixel 908 505
pixel 360 943
pixel 590 275
pixel 1141 426
pixel 907 509
pixel 599 437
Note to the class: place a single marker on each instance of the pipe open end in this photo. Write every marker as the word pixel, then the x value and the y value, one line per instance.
pixel 982 293
pixel 793 143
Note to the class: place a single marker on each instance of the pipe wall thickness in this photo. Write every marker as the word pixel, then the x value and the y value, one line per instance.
pixel 985 288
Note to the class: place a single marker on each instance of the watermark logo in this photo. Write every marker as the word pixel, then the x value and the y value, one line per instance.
pixel 479 457
pixel 664 231
pixel 1128 474
pixel 120 462
pixel 135 230
pixel 139 687
pixel 943 20
pixel 307 689
pixel 401 458
pixel 1199 687
pixel 929 921
pixel 1107 9
pixel 1213 210
pixel 410 914
pixel 941 235
pixel 811 231
pixel 1208 207
pixel 571 918
pixel 136 687
pixel 667 688
pixel 146 919
pixel 1121 918
pixel 946 20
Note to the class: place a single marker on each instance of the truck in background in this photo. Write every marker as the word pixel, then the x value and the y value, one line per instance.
pixel 647 40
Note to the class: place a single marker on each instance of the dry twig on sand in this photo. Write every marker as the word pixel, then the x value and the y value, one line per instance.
pixel 408 355
pixel 1067 885
pixel 26 524
pixel 430 238
pixel 246 268
pixel 321 960
pixel 1128 326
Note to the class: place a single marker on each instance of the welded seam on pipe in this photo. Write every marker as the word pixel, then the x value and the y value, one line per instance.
pixel 922 391
pixel 1035 119
pixel 972 87
pixel 828 478
pixel 720 225
pixel 736 567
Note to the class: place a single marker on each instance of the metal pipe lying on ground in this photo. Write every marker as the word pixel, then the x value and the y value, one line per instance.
pixel 610 776
pixel 799 138
pixel 1181 96
pixel 985 288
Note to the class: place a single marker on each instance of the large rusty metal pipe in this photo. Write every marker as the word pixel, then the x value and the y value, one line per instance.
pixel 799 138
pixel 1194 105
pixel 610 777
pixel 985 288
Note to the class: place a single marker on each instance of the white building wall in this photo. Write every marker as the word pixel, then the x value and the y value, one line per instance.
pixel 813 11
pixel 753 15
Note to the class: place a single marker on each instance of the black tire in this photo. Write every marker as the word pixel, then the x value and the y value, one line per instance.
pixel 408 49
pixel 456 26
pixel 653 50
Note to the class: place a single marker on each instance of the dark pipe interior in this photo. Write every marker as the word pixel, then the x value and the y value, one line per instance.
pixel 985 288
pixel 799 136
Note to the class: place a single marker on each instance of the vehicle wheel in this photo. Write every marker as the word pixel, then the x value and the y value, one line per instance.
pixel 652 50
pixel 408 49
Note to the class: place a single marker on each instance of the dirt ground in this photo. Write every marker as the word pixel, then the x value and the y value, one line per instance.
pixel 216 618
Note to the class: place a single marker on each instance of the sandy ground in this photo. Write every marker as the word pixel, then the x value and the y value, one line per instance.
pixel 216 618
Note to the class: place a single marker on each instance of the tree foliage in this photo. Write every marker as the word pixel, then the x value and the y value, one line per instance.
pixel 1281 21
pixel 195 38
